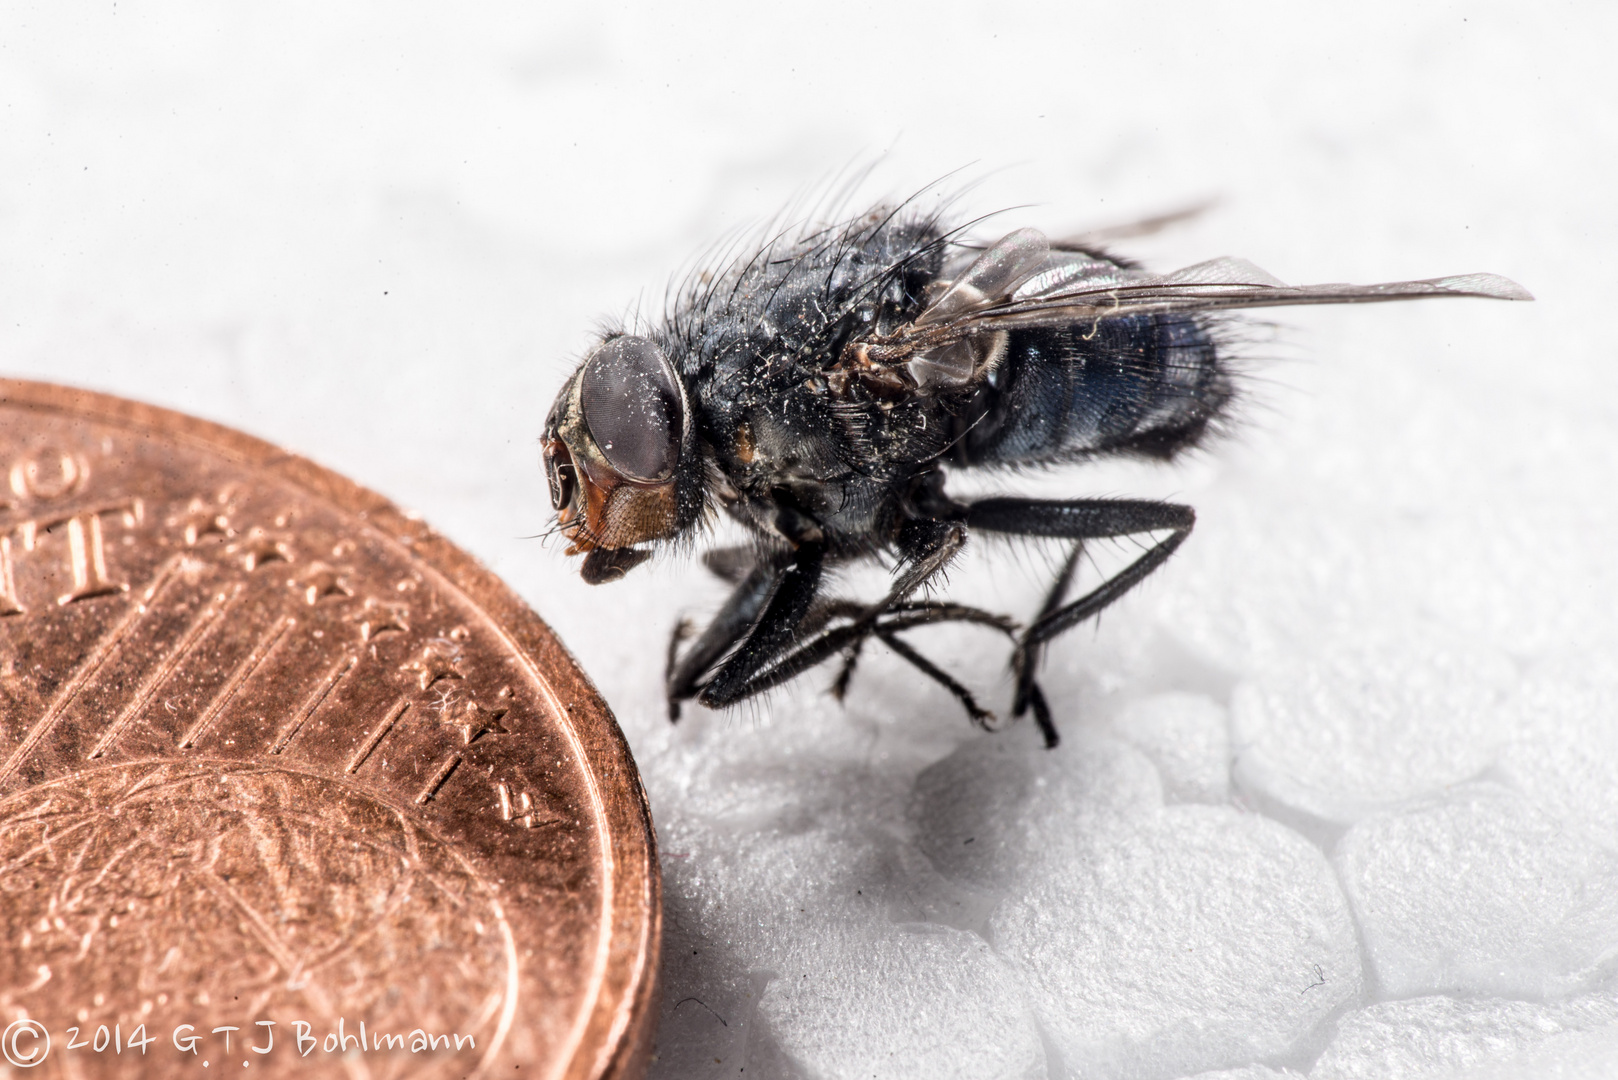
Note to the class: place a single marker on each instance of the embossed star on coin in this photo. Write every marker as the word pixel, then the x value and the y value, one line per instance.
pixel 379 616
pixel 320 581
pixel 261 546
pixel 435 661
pixel 472 720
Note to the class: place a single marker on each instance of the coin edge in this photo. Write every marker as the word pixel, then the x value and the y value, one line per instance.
pixel 624 1016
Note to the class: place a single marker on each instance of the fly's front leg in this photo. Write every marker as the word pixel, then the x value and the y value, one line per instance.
pixel 685 673
pixel 927 546
pixel 730 564
pixel 1079 519
pixel 791 594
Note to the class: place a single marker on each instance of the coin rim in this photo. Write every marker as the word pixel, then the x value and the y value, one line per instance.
pixel 623 1016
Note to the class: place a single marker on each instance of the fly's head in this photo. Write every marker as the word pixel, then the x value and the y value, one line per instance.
pixel 618 452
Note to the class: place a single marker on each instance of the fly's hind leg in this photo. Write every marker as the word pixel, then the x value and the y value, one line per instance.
pixel 1080 520
pixel 1025 659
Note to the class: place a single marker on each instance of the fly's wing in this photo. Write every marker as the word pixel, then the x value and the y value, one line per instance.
pixel 1020 282
pixel 993 277
pixel 1091 239
pixel 1215 285
pixel 999 271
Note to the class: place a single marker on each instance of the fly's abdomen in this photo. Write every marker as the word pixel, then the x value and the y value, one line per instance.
pixel 1148 384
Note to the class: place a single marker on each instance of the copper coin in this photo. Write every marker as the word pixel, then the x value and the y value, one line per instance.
pixel 289 782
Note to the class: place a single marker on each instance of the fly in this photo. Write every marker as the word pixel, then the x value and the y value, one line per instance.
pixel 822 391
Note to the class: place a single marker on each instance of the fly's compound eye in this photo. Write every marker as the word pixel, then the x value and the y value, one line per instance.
pixel 559 472
pixel 632 406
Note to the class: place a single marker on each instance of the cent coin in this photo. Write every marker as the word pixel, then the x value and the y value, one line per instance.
pixel 290 785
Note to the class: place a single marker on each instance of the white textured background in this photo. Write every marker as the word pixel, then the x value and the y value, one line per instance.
pixel 1340 787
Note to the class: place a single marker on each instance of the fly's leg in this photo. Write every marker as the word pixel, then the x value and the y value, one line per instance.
pixel 730 564
pixel 848 638
pixel 845 674
pixel 912 614
pixel 1026 658
pixel 980 716
pixel 846 609
pixel 791 593
pixel 683 678
pixel 929 546
pixel 772 654
pixel 1079 519
pixel 768 657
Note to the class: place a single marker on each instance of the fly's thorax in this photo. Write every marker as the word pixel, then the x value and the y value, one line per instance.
pixel 788 440
pixel 784 485
pixel 620 455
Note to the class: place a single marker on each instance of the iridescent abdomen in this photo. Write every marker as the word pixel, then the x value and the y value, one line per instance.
pixel 1148 384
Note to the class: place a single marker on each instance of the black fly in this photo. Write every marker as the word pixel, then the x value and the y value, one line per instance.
pixel 820 391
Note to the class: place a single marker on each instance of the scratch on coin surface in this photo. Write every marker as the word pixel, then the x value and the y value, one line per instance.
pixel 152 778
pixel 87 670
pixel 272 856
pixel 256 923
pixel 392 717
pixel 440 775
pixel 444 697
pixel 111 863
pixel 161 672
pixel 47 844
pixel 261 652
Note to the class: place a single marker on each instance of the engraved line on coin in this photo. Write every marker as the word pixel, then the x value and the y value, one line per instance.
pixel 87 670
pixel 261 652
pixel 378 735
pixel 50 841
pixel 9 604
pixel 160 673
pixel 338 672
pixel 436 781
